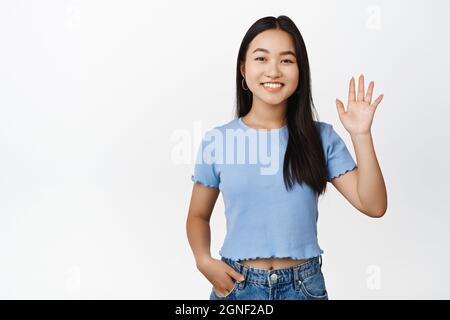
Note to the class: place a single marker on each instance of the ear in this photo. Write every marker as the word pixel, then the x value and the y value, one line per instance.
pixel 242 68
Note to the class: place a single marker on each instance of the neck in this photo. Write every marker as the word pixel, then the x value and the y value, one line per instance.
pixel 266 116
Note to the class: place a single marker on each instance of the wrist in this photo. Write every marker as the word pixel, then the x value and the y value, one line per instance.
pixel 360 135
pixel 202 260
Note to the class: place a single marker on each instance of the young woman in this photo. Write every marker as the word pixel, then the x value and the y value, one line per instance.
pixel 271 249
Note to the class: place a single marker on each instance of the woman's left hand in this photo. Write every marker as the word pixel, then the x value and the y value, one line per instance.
pixel 357 119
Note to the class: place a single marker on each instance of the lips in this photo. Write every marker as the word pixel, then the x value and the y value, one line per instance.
pixel 273 86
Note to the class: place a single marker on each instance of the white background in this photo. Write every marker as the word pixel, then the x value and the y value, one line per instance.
pixel 93 94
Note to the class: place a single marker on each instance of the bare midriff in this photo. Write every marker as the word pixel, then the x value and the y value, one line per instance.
pixel 272 263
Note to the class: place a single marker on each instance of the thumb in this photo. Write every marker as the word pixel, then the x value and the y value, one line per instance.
pixel 340 107
pixel 235 275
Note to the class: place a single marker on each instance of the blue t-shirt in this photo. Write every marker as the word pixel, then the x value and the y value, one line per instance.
pixel 263 219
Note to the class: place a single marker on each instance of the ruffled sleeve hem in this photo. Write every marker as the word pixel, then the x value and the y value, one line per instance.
pixel 339 172
pixel 204 183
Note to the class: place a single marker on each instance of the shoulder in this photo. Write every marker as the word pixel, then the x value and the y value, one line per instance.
pixel 324 128
pixel 330 138
pixel 231 124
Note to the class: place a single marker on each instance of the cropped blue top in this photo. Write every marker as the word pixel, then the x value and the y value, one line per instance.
pixel 263 219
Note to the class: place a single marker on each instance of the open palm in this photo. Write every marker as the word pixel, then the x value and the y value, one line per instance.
pixel 358 117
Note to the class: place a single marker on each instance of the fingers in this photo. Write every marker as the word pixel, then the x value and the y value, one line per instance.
pixel 351 90
pixel 368 97
pixel 361 88
pixel 235 275
pixel 361 95
pixel 221 292
pixel 377 100
pixel 340 107
pixel 226 289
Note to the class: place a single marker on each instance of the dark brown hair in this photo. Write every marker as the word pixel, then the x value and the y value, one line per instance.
pixel 304 159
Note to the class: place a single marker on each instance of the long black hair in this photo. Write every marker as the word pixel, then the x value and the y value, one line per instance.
pixel 304 159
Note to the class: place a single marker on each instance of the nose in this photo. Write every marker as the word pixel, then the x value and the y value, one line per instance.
pixel 273 71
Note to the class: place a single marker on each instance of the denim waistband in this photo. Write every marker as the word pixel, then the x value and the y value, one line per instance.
pixel 283 276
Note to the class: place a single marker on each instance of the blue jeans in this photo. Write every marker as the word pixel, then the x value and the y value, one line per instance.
pixel 301 282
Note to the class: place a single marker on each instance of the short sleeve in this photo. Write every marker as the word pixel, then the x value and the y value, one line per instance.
pixel 338 158
pixel 205 169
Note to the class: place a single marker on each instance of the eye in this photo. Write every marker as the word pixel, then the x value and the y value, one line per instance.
pixel 258 59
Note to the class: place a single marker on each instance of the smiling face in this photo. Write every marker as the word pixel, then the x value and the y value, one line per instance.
pixel 270 70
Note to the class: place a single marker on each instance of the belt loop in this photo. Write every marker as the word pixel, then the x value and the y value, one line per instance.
pixel 297 279
pixel 320 260
pixel 244 271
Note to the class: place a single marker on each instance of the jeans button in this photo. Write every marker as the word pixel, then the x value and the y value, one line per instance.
pixel 274 277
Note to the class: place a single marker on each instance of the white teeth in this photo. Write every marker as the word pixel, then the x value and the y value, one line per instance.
pixel 272 85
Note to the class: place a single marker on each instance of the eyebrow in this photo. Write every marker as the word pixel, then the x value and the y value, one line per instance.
pixel 281 53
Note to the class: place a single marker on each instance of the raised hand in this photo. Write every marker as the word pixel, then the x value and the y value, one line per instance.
pixel 358 117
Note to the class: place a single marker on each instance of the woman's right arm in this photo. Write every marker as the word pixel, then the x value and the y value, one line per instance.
pixel 198 231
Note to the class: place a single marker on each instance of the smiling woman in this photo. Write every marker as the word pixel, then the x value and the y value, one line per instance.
pixel 270 65
pixel 271 249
